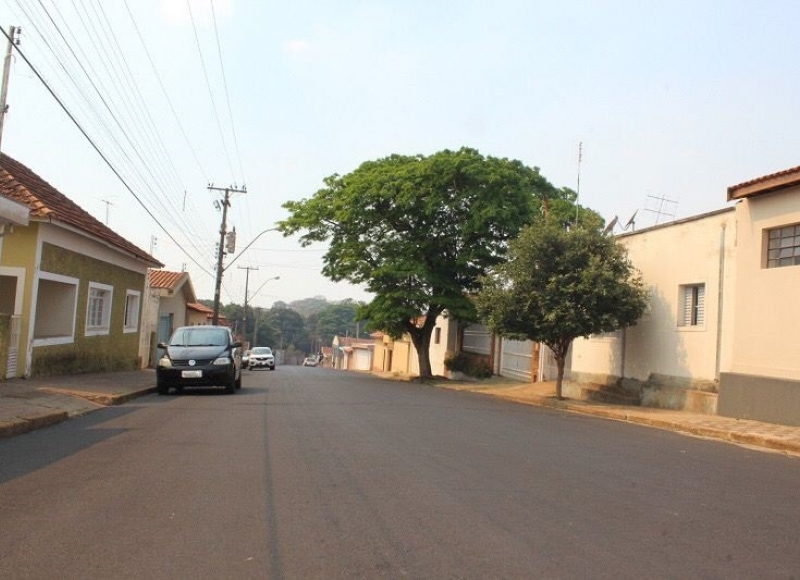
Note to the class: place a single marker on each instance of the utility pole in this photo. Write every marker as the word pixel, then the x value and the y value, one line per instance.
pixel 246 284
pixel 226 202
pixel 12 31
pixel 255 327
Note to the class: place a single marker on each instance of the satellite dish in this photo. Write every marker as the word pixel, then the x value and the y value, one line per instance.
pixel 631 222
pixel 610 227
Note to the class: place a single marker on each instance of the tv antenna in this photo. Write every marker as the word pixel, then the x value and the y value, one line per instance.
pixel 108 204
pixel 662 206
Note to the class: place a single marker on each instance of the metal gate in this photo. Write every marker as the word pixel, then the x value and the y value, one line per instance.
pixel 13 347
pixel 516 359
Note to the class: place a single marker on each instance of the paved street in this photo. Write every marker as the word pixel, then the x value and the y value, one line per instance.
pixel 311 473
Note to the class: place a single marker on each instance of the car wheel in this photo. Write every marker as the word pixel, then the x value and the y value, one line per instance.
pixel 162 389
pixel 230 387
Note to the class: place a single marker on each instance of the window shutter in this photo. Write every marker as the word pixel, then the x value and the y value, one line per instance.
pixel 686 319
pixel 701 305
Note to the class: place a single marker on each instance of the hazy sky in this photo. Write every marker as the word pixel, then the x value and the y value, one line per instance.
pixel 672 101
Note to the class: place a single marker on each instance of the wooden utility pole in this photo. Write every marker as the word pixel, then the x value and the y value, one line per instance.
pixel 226 202
pixel 12 31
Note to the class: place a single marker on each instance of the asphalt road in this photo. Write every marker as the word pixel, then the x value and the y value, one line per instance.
pixel 312 473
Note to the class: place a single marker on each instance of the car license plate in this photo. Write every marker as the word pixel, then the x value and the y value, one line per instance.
pixel 191 374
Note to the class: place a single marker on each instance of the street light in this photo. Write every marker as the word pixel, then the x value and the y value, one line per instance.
pixel 255 318
pixel 253 241
pixel 221 270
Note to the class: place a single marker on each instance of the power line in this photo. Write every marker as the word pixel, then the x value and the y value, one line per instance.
pixel 99 152
pixel 208 84
pixel 172 214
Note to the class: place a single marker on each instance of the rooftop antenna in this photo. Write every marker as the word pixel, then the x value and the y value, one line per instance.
pixel 108 204
pixel 662 203
pixel 631 223
pixel 610 227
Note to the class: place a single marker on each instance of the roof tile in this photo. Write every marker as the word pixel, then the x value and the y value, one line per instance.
pixel 19 183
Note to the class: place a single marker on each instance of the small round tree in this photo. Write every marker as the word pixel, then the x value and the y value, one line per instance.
pixel 560 284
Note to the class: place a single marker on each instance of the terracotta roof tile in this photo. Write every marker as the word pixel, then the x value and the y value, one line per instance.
pixel 765 184
pixel 198 307
pixel 164 279
pixel 19 183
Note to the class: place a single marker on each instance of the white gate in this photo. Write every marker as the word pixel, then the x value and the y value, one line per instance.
pixel 516 359
pixel 13 347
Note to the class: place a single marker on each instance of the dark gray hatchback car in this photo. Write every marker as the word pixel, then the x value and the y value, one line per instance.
pixel 200 356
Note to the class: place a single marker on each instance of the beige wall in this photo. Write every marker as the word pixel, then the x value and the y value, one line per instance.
pixel 175 305
pixel 447 344
pixel 766 340
pixel 686 252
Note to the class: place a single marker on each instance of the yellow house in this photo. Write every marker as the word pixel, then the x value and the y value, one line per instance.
pixel 71 287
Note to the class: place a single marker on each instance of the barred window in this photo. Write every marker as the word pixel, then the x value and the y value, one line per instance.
pixel 783 247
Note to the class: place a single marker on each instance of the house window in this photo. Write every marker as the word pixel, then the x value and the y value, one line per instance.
pixel 437 335
pixel 56 305
pixel 692 305
pixel 783 246
pixel 132 300
pixel 98 309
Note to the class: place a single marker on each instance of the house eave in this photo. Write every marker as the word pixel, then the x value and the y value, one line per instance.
pixel 766 184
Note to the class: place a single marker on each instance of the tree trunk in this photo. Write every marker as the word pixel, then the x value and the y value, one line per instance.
pixel 422 342
pixel 560 360
pixel 560 354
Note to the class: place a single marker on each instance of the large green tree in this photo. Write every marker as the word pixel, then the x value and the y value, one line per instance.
pixel 418 231
pixel 560 284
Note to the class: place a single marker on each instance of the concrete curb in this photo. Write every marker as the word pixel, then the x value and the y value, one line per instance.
pixel 765 441
pixel 31 423
pixel 20 425
pixel 104 399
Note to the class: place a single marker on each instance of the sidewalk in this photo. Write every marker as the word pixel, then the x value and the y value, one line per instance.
pixel 26 405
pixel 783 438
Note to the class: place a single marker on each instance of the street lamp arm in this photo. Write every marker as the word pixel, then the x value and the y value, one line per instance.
pixel 253 241
pixel 260 287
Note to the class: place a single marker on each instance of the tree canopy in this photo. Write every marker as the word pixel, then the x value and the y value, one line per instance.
pixel 418 231
pixel 560 284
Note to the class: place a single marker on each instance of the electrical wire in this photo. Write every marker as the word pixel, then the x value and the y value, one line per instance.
pixel 208 84
pixel 97 149
pixel 108 134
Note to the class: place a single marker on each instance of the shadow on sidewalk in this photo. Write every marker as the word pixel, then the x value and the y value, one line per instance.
pixel 38 449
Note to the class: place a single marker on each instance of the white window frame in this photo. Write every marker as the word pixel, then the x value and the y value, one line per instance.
pixel 692 306
pixel 104 327
pixel 66 338
pixel 131 319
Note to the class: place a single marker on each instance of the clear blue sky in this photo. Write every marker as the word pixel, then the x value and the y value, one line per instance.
pixel 675 100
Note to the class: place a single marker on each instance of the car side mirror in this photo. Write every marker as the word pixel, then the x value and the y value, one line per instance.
pixel 162 345
pixel 236 344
